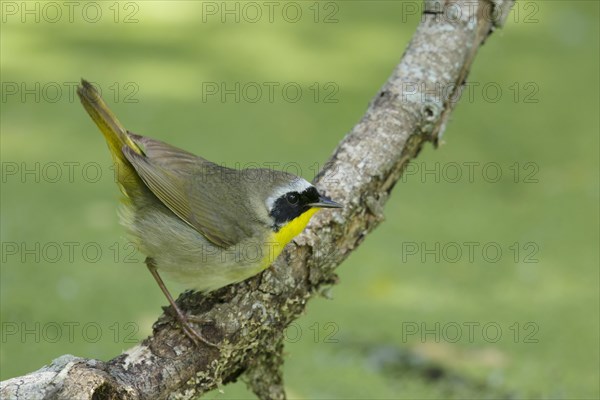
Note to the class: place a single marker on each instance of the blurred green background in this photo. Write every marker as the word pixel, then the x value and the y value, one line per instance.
pixel 415 315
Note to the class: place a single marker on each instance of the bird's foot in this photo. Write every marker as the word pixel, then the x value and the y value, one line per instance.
pixel 194 335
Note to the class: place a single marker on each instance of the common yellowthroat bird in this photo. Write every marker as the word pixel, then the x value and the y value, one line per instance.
pixel 204 225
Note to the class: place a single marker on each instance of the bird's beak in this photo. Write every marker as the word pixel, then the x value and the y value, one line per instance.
pixel 325 202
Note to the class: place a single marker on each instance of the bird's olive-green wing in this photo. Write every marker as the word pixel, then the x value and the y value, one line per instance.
pixel 170 157
pixel 194 189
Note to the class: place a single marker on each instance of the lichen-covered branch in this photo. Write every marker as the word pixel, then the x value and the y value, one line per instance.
pixel 248 319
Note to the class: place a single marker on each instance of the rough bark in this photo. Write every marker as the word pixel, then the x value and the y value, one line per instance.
pixel 248 319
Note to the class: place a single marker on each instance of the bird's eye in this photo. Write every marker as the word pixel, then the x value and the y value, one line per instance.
pixel 292 198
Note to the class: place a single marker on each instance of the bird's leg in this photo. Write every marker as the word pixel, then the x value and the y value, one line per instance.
pixel 183 320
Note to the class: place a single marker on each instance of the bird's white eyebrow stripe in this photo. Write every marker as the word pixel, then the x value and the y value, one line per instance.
pixel 298 185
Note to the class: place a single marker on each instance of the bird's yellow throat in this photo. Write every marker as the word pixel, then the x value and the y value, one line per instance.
pixel 287 232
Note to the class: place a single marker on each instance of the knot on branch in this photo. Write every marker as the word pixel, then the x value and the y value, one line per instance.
pixel 452 11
